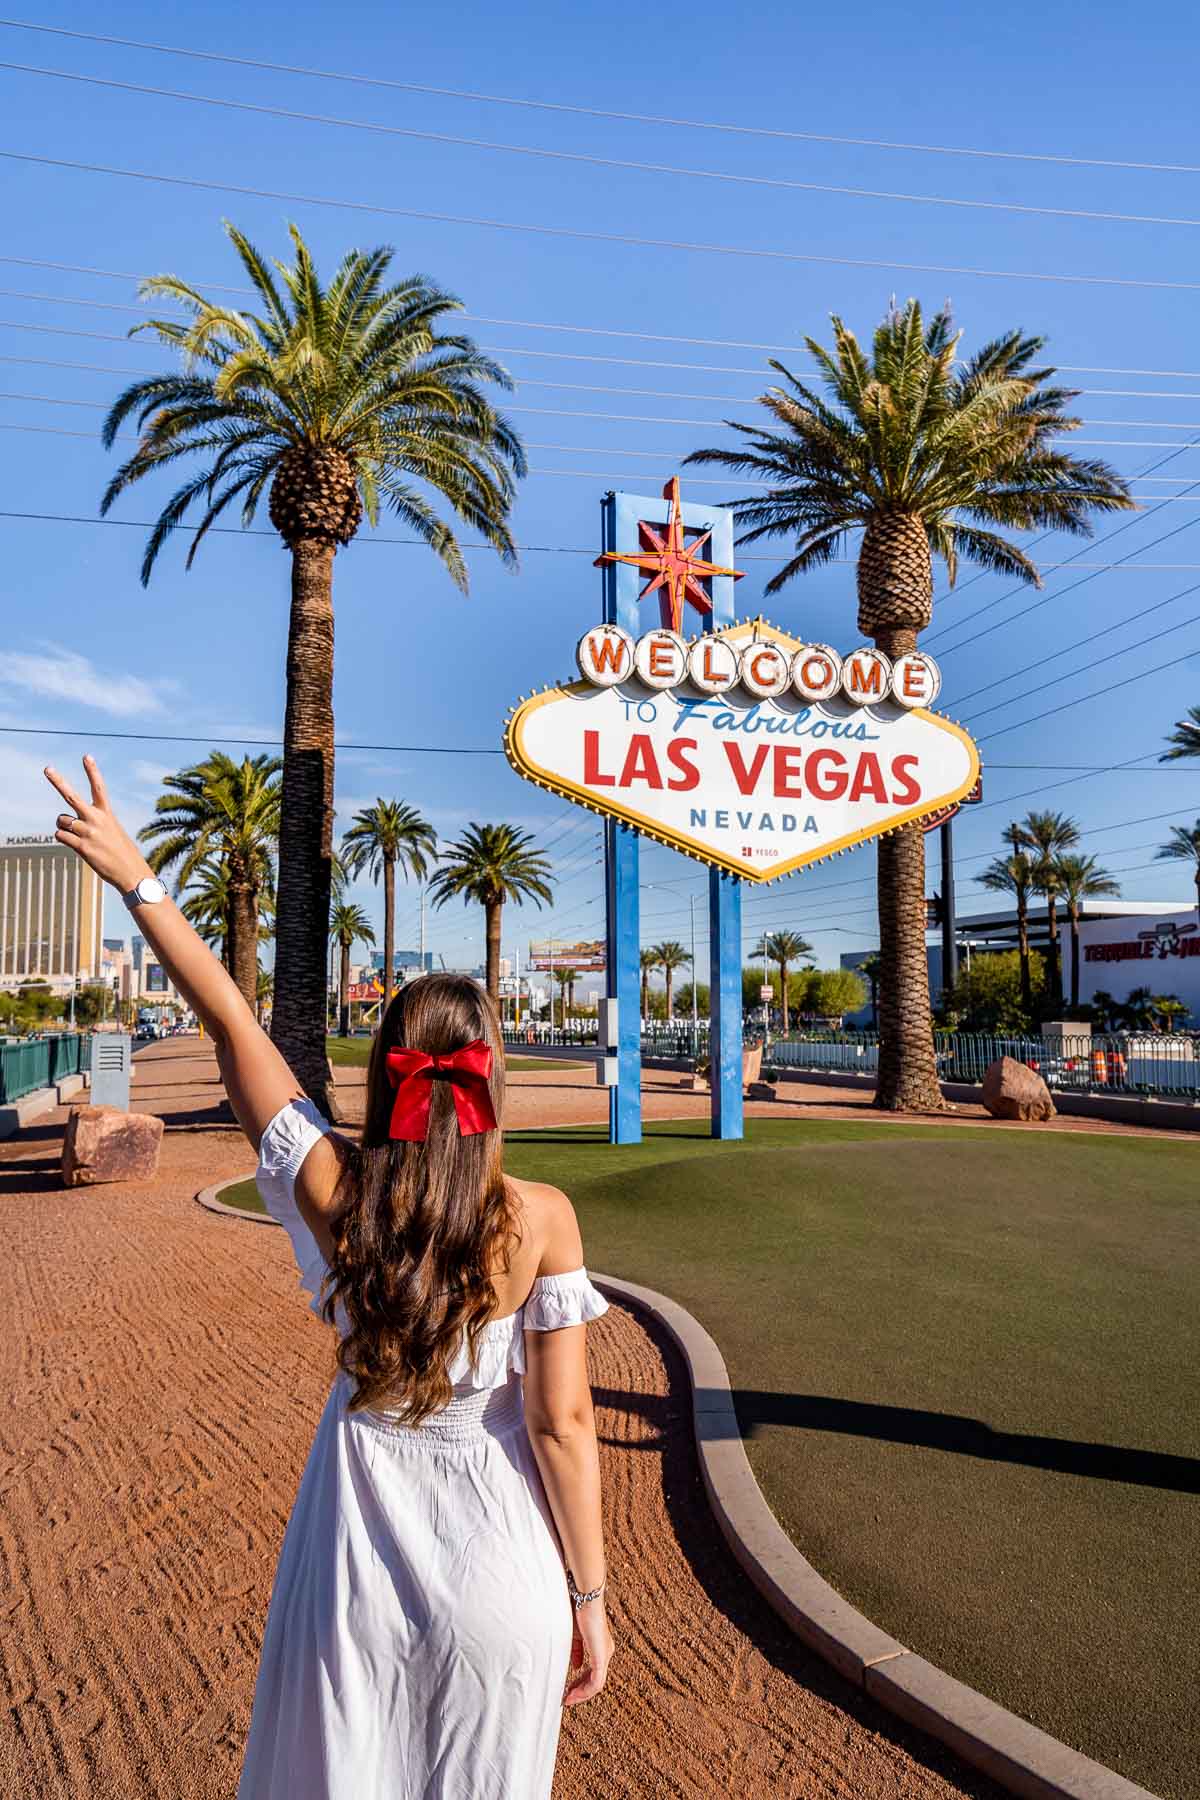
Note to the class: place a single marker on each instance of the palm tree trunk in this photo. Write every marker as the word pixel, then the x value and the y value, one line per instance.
pixel 1023 951
pixel 491 913
pixel 908 1080
pixel 670 1013
pixel 344 1007
pixel 243 913
pixel 646 972
pixel 783 994
pixel 229 948
pixel 1074 912
pixel 306 826
pixel 1055 964
pixel 389 926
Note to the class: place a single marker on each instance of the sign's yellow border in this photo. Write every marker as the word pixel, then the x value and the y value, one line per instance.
pixel 652 828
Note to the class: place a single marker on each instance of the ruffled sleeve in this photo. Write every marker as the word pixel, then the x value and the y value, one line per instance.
pixel 558 1300
pixel 285 1143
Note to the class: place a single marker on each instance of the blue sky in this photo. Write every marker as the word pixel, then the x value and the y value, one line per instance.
pixel 202 654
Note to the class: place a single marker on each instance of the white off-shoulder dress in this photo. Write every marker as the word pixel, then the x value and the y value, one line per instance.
pixel 418 1637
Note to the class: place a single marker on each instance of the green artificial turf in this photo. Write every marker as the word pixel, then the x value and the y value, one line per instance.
pixel 244 1195
pixel 964 1369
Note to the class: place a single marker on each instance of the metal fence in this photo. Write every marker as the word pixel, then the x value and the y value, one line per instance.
pixel 32 1063
pixel 1126 1062
pixel 574 1035
pixel 1147 1063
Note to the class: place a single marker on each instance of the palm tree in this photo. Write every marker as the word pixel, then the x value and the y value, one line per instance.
pixel 649 962
pixel 1107 1010
pixel 1183 846
pixel 1169 1008
pixel 1081 878
pixel 1047 835
pixel 207 901
pixel 489 865
pixel 337 400
pixel 263 992
pixel 566 979
pixel 1139 1011
pixel 231 812
pixel 1013 874
pixel 668 957
pixel 380 837
pixel 348 925
pixel 783 948
pixel 924 456
pixel 1185 739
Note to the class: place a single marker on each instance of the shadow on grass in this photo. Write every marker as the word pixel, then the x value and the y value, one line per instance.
pixel 955 1434
pixel 731 1593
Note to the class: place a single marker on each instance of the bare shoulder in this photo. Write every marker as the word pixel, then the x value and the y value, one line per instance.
pixel 549 1225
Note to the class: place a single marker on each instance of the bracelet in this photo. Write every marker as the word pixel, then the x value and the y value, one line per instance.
pixel 579 1599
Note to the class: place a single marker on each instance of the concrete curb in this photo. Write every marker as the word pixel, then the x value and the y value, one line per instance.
pixel 1013 1752
pixel 207 1197
pixel 16 1114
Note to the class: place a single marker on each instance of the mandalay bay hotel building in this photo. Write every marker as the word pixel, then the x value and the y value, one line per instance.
pixel 50 907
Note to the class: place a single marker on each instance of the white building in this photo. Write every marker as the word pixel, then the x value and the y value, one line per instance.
pixel 50 908
pixel 1142 946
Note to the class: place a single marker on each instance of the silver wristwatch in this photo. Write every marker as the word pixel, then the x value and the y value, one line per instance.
pixel 148 891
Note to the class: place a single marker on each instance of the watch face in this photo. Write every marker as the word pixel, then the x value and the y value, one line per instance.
pixel 150 888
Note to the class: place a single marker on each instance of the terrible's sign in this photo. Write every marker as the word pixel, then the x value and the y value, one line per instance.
pixel 745 748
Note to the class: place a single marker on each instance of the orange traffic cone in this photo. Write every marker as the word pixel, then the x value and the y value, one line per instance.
pixel 1099 1068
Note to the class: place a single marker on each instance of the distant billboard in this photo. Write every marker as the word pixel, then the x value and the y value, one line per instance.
pixel 156 979
pixel 587 956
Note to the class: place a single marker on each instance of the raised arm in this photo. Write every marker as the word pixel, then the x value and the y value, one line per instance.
pixel 256 1078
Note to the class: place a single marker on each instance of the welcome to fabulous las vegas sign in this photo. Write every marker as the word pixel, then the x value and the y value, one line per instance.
pixel 744 747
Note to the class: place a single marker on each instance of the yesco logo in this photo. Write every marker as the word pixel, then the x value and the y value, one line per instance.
pixel 608 656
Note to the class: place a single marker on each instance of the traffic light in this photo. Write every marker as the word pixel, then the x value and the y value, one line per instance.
pixel 934 912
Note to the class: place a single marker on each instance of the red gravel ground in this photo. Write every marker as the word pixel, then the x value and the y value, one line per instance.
pixel 161 1381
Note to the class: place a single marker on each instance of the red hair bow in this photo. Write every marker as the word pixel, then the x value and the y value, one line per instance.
pixel 412 1072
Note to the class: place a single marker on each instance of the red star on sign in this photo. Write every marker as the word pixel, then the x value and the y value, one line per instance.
pixel 676 569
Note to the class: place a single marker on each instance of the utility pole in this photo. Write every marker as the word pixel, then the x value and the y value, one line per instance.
pixel 695 1024
pixel 421 925
pixel 949 920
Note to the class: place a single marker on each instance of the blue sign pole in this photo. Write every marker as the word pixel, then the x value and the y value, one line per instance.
pixel 724 903
pixel 725 1002
pixel 618 527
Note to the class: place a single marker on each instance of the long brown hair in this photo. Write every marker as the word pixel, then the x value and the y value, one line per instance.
pixel 428 1222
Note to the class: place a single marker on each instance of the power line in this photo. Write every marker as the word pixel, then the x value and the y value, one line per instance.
pixel 373 538
pixel 657 337
pixel 171 737
pixel 595 112
pixel 415 134
pixel 1105 538
pixel 1079 643
pixel 1061 593
pixel 1094 693
pixel 568 412
pixel 577 233
pixel 1113 655
pixel 594 387
pixel 532 444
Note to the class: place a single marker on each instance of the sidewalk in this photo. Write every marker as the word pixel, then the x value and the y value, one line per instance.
pixel 163 1380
